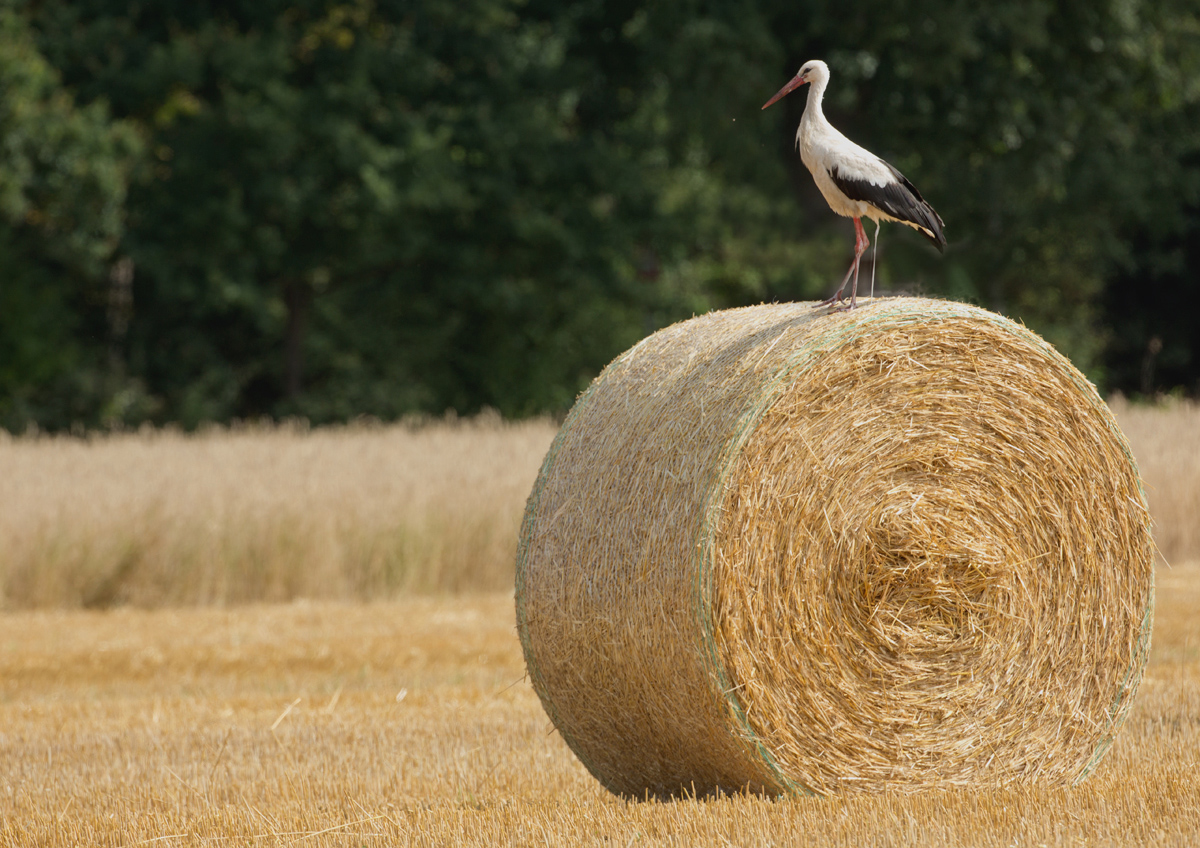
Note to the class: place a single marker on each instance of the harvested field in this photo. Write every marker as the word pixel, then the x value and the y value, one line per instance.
pixel 410 723
pixel 282 723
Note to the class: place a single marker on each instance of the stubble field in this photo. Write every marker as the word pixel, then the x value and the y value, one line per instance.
pixel 290 638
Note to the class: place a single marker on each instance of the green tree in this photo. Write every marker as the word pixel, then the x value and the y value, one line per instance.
pixel 63 177
pixel 376 207
pixel 372 208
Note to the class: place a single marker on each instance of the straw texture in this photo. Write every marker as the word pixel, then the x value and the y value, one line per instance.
pixel 784 550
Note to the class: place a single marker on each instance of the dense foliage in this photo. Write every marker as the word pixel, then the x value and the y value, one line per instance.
pixel 291 207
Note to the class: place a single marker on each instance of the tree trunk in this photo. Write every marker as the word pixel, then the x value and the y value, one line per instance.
pixel 298 298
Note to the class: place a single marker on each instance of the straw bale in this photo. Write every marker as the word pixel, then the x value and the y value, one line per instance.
pixel 782 550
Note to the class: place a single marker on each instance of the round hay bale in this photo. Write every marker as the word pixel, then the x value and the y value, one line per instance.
pixel 780 550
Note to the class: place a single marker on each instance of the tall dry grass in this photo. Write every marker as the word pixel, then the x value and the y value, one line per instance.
pixel 265 514
pixel 1165 439
pixel 232 516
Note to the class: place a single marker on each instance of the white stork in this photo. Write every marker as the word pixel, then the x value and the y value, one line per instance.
pixel 855 182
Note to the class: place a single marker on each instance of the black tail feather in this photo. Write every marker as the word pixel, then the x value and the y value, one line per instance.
pixel 899 199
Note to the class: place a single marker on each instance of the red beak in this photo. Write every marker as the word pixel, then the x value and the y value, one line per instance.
pixel 795 83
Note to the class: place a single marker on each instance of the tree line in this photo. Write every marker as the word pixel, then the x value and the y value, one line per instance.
pixel 216 211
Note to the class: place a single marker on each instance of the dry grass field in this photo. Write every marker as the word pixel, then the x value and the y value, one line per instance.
pixel 264 514
pixel 1166 444
pixel 409 723
pixel 237 689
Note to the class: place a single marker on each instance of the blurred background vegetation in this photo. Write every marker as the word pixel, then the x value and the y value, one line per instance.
pixel 272 208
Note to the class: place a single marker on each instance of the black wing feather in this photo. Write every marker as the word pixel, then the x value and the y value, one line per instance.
pixel 899 199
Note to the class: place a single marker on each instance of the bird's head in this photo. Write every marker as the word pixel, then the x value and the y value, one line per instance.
pixel 810 71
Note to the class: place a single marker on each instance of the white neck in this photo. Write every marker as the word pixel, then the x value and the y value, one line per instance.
pixel 813 120
pixel 816 93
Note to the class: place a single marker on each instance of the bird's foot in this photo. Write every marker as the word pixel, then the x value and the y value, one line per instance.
pixel 839 303
pixel 830 301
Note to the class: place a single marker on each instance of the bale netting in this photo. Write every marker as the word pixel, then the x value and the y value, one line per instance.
pixel 780 550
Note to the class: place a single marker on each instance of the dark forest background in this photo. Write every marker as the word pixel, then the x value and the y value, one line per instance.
pixel 216 211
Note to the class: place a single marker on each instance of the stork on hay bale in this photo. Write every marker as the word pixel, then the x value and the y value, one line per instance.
pixel 854 181
pixel 784 550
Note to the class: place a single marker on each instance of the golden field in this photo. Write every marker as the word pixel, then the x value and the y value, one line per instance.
pixel 161 518
pixel 264 514
pixel 409 723
pixel 1166 444
pixel 281 637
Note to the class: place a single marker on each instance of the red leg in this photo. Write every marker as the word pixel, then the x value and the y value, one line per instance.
pixel 861 243
pixel 860 247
